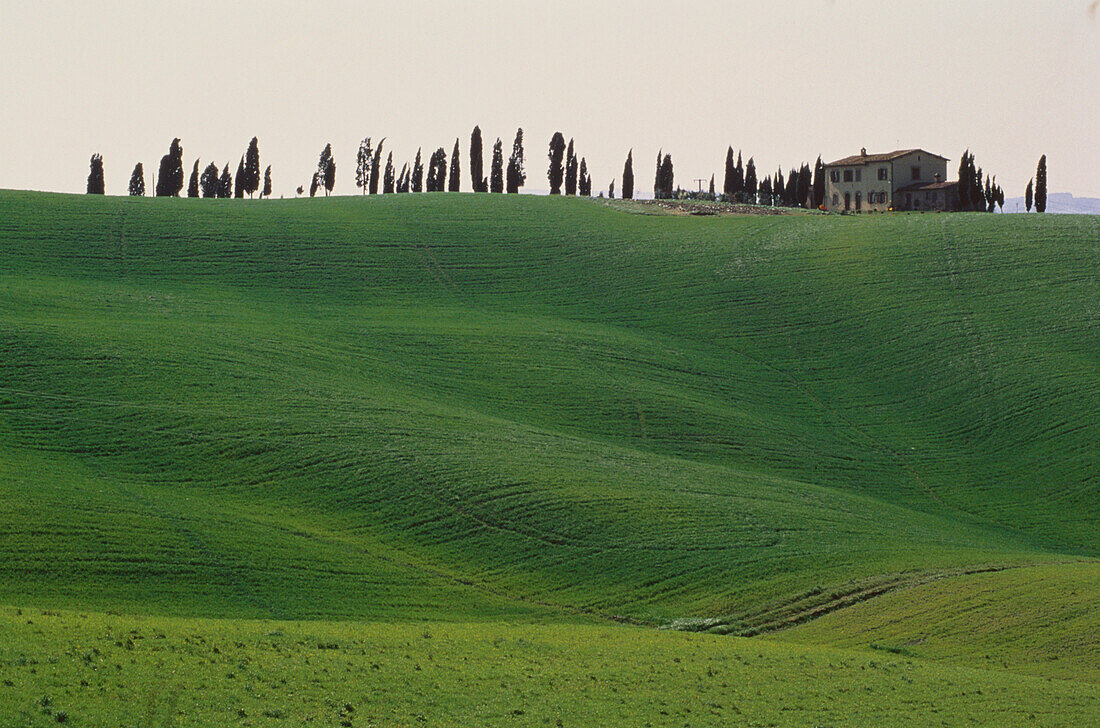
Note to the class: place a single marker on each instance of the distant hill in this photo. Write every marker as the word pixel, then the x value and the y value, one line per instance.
pixel 1060 202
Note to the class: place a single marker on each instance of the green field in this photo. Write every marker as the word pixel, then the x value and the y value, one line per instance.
pixel 534 419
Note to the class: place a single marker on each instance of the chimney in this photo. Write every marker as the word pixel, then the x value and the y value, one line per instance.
pixel 937 177
pixel 863 152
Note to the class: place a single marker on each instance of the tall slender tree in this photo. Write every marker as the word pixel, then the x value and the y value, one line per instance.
pixel 95 176
pixel 193 182
pixel 417 182
pixel 1029 194
pixel 583 181
pixel 966 179
pixel 750 181
pixel 376 167
pixel 266 192
pixel 314 184
pixel 240 180
pixel 628 176
pixel 611 190
pixel 225 184
pixel 710 190
pixel 517 174
pixel 555 172
pixel 730 171
pixel 570 170
pixel 1041 185
pixel 137 181
pixel 403 179
pixel 665 178
pixel 437 171
pixel 477 162
pixel 496 170
pixel 658 180
pixel 363 159
pixel 252 167
pixel 170 175
pixel 739 177
pixel 805 189
pixel 388 179
pixel 208 183
pixel 819 183
pixel 454 181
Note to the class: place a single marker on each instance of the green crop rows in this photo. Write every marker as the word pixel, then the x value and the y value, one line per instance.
pixel 511 410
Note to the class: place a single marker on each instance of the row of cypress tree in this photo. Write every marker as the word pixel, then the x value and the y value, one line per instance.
pixel 438 177
pixel 169 181
pixel 801 187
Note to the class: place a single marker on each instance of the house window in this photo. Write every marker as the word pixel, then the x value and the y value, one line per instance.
pixel 883 174
pixel 859 175
pixel 836 198
pixel 916 173
pixel 847 175
pixel 835 177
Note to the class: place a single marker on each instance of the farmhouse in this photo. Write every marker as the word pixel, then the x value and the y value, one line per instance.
pixel 906 179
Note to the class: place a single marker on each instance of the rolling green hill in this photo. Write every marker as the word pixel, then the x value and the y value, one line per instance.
pixel 474 407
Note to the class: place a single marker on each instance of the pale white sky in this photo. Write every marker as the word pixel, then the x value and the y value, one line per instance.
pixel 784 81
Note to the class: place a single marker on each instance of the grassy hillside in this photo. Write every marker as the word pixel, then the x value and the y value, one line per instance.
pixel 93 669
pixel 451 406
pixel 481 427
pixel 1039 621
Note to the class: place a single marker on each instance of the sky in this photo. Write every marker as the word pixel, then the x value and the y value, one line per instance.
pixel 783 81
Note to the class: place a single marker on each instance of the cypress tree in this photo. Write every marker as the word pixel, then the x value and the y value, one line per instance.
pixel 376 167
pixel 611 190
pixel 437 171
pixel 388 177
pixel 403 179
pixel 990 200
pixel 496 170
pixel 1000 198
pixel 966 177
pixel 170 175
pixel 777 187
pixel 418 174
pixel 314 184
pixel 727 181
pixel 240 180
pixel 570 170
pixel 583 183
pixel 95 176
pixel 805 186
pixel 739 177
pixel 137 181
pixel 555 173
pixel 819 183
pixel 363 159
pixel 712 185
pixel 766 191
pixel 1029 194
pixel 225 184
pixel 267 183
pixel 208 183
pixel 628 176
pixel 516 175
pixel 252 167
pixel 477 162
pixel 193 182
pixel 454 181
pixel 750 181
pixel 658 180
pixel 1041 185
pixel 667 180
pixel 326 170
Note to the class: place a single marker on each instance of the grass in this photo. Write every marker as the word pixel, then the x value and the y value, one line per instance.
pixel 522 410
pixel 1040 620
pixel 199 672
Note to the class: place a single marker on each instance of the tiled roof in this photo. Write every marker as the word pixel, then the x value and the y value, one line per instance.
pixel 871 158
pixel 926 186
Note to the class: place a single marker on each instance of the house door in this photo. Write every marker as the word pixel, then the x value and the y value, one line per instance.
pixel 847 201
pixel 859 200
